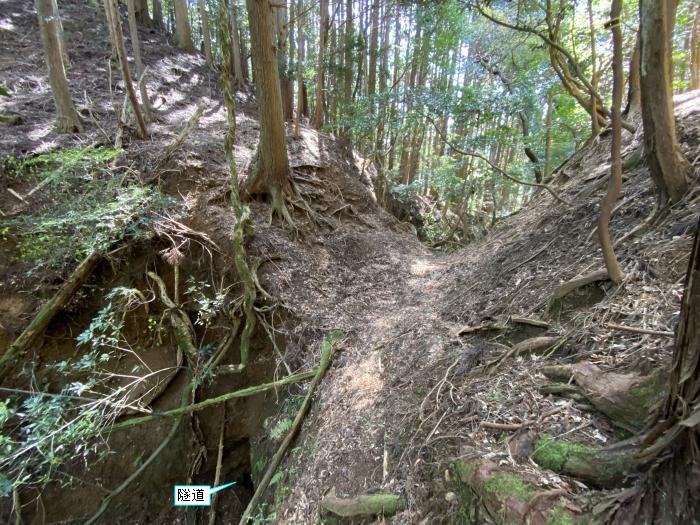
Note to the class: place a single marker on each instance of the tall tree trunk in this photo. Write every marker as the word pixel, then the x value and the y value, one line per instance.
pixel 320 86
pixel 141 11
pixel 236 56
pixel 668 494
pixel 669 169
pixel 281 33
pixel 373 43
pixel 615 182
pixel 67 118
pixel 595 126
pixel 548 136
pixel 634 91
pixel 124 63
pixel 110 25
pixel 270 174
pixel 300 66
pixel 136 45
pixel 183 33
pixel 206 34
pixel 348 62
pixel 695 51
pixel 158 14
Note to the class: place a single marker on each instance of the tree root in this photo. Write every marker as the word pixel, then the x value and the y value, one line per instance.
pixel 506 497
pixel 363 505
pixel 327 348
pixel 600 467
pixel 47 312
pixel 578 282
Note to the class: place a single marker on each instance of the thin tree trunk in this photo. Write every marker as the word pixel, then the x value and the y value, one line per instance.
pixel 183 33
pixel 236 57
pixel 206 34
pixel 548 137
pixel 695 51
pixel 123 61
pixel 158 14
pixel 320 86
pixel 669 169
pixel 595 126
pixel 634 92
pixel 300 63
pixel 615 181
pixel 110 26
pixel 67 118
pixel 136 45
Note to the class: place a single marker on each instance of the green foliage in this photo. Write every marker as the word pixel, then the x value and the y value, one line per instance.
pixel 89 208
pixel 281 428
pixel 4 91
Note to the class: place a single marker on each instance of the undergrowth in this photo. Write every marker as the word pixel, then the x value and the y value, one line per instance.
pixel 81 205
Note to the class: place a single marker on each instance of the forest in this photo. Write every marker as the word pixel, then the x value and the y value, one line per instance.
pixel 350 262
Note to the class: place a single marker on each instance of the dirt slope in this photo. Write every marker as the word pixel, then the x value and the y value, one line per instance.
pixel 405 395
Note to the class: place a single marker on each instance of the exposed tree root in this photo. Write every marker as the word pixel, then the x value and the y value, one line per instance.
pixel 578 282
pixel 600 467
pixel 327 348
pixel 363 505
pixel 506 497
pixel 47 312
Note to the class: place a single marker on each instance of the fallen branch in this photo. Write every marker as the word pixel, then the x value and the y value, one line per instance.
pixel 175 144
pixel 49 311
pixel 327 348
pixel 492 165
pixel 363 505
pixel 245 392
pixel 107 500
pixel 662 333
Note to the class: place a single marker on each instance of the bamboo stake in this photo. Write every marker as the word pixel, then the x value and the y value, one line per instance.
pixel 327 348
pixel 250 391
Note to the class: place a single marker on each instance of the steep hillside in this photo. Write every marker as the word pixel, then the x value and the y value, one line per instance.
pixel 429 394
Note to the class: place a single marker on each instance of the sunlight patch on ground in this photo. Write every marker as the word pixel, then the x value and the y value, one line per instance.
pixel 7 25
pixel 363 383
pixel 422 267
pixel 40 132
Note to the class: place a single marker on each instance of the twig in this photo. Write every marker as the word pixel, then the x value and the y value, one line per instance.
pixel 662 333
pixel 492 165
pixel 106 501
pixel 327 348
pixel 245 392
pixel 527 423
pixel 217 475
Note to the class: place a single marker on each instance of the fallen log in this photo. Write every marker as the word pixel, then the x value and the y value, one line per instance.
pixel 327 349
pixel 48 311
